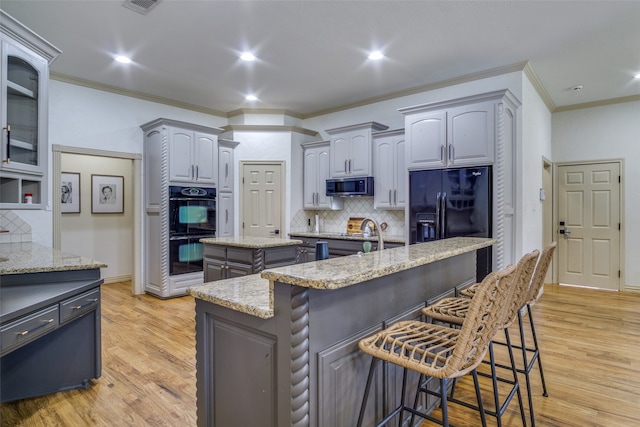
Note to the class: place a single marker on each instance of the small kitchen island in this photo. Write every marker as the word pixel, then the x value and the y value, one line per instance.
pixel 50 335
pixel 281 348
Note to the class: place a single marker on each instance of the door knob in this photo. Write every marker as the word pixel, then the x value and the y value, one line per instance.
pixel 565 231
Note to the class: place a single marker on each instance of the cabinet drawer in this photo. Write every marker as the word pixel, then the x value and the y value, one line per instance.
pixel 24 330
pixel 215 251
pixel 240 255
pixel 76 306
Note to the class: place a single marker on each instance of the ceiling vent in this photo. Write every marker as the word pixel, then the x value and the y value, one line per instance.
pixel 141 6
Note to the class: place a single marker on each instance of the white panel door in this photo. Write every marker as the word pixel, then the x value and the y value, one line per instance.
pixel 262 199
pixel 589 222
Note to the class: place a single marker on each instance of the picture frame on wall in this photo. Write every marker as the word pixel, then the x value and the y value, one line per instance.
pixel 70 192
pixel 107 194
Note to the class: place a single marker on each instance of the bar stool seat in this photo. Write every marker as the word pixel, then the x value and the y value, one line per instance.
pixel 441 352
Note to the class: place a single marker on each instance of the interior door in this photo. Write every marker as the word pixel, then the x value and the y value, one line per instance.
pixel 589 225
pixel 262 199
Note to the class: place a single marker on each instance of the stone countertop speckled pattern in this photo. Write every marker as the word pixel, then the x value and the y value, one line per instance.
pixel 22 258
pixel 248 294
pixel 338 273
pixel 251 242
pixel 254 294
pixel 345 236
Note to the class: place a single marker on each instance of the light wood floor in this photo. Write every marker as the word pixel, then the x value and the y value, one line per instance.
pixel 591 355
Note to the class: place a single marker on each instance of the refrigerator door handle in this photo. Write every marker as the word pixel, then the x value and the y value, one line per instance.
pixel 437 224
pixel 443 219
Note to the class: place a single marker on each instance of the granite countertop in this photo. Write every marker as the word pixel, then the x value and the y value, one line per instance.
pixel 249 294
pixel 340 272
pixel 345 236
pixel 251 242
pixel 21 258
pixel 254 294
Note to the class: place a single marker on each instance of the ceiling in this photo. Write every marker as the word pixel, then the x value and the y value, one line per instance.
pixel 312 55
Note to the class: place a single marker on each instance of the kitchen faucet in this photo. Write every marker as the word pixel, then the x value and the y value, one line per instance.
pixel 363 226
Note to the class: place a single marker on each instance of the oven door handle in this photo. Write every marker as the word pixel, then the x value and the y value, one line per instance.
pixel 193 237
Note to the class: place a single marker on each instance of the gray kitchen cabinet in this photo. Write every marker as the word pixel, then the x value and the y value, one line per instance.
pixel 24 88
pixel 351 149
pixel 225 262
pixel 163 141
pixel 459 134
pixel 193 156
pixel 50 332
pixel 316 171
pixel 337 247
pixel 225 223
pixel 389 170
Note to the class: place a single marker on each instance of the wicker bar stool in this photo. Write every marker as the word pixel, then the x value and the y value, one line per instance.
pixel 440 352
pixel 454 311
pixel 537 282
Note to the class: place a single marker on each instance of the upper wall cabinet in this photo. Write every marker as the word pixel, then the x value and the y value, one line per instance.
pixel 193 156
pixel 24 85
pixel 351 149
pixel 455 135
pixel 389 169
pixel 316 158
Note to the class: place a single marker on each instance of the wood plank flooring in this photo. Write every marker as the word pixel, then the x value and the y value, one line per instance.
pixel 590 348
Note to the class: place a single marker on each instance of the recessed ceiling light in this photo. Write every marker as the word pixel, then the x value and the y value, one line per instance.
pixel 251 98
pixel 248 56
pixel 376 55
pixel 123 59
pixel 637 76
pixel 577 88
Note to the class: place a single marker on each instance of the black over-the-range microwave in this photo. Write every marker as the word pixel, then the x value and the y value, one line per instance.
pixel 348 187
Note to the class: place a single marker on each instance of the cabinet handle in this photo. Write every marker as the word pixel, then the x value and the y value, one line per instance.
pixel 8 129
pixel 226 215
pixel 442 153
pixel 395 197
pixel 389 197
pixel 42 325
pixel 90 301
pixel 451 153
pixel 197 173
pixel 349 166
pixel 226 170
pixel 345 167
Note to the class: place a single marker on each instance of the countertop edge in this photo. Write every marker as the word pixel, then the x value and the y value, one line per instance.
pixel 251 244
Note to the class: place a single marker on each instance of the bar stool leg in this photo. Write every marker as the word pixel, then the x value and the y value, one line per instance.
pixel 476 384
pixel 514 369
pixel 367 388
pixel 443 402
pixel 537 349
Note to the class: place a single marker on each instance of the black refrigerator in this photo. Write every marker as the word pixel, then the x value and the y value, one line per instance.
pixel 455 202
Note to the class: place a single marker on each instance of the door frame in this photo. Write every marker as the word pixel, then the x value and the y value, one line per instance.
pixel 548 192
pixel 137 286
pixel 283 172
pixel 556 189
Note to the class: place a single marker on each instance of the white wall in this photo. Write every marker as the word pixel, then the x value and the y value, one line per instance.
pixel 600 133
pixel 84 117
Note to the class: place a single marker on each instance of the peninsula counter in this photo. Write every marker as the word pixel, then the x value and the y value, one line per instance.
pixel 281 348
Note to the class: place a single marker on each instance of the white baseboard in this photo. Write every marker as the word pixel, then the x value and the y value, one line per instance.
pixel 116 279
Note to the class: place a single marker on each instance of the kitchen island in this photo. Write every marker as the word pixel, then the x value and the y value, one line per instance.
pixel 50 336
pixel 281 348
pixel 228 257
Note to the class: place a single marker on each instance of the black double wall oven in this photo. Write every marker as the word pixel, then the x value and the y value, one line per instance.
pixel 192 216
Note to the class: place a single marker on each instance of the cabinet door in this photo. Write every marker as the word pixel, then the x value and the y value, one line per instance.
pixel 340 153
pixel 205 158
pixel 225 169
pixel 310 178
pixel 384 172
pixel 224 227
pixel 360 153
pixel 400 172
pixel 324 173
pixel 427 133
pixel 214 270
pixel 471 134
pixel 180 147
pixel 238 270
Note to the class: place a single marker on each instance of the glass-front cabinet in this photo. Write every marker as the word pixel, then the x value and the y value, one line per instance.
pixel 24 115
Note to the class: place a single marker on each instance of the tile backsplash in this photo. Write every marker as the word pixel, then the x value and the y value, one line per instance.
pixel 14 229
pixel 336 221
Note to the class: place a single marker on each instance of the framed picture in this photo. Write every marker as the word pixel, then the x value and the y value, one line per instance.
pixel 70 192
pixel 107 194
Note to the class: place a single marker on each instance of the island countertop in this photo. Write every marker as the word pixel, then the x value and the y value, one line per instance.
pixel 254 294
pixel 29 257
pixel 338 273
pixel 251 242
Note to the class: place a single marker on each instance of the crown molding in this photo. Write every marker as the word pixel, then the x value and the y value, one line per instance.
pixel 284 112
pixel 270 128
pixel 601 103
pixel 538 86
pixel 134 94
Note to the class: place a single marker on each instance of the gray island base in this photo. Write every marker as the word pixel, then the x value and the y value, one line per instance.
pixel 281 348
